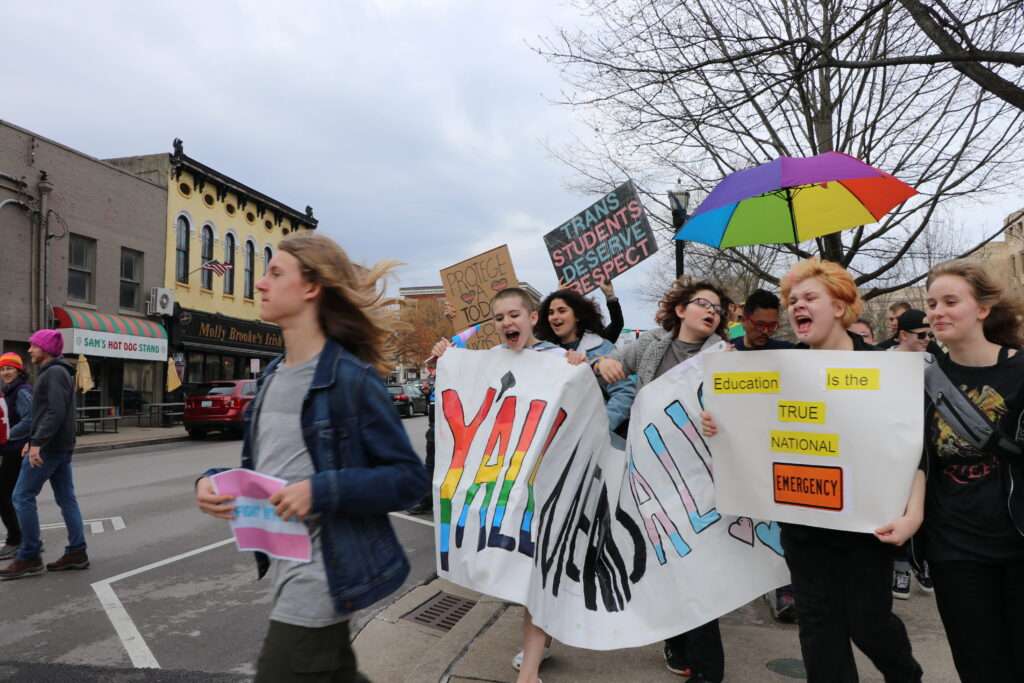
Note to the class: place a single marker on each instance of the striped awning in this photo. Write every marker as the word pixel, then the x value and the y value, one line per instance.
pixel 101 322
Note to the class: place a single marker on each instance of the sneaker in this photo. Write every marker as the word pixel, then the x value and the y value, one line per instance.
pixel 424 507
pixel 76 559
pixel 517 661
pixel 8 551
pixel 21 568
pixel 924 580
pixel 784 609
pixel 675 663
pixel 901 584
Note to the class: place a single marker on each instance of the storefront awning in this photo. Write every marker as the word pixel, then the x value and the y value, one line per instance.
pixel 102 322
pixel 113 336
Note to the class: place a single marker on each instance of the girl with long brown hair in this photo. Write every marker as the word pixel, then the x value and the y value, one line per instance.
pixel 974 507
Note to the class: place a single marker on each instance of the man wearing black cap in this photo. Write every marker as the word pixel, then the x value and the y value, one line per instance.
pixel 913 333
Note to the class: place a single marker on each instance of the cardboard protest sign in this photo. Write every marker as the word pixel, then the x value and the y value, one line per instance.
pixel 604 240
pixel 608 548
pixel 256 525
pixel 4 422
pixel 469 287
pixel 823 438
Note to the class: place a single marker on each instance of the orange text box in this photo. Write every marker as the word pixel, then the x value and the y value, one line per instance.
pixel 810 486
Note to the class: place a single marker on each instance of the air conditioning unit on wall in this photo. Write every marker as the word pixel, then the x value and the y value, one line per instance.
pixel 161 301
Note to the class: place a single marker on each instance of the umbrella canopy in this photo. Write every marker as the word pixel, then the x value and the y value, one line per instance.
pixel 790 200
pixel 83 375
pixel 172 376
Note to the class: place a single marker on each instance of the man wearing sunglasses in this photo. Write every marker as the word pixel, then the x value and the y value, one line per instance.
pixel 760 322
pixel 912 331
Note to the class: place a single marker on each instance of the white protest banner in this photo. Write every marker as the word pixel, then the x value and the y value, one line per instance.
pixel 823 438
pixel 607 548
pixel 256 525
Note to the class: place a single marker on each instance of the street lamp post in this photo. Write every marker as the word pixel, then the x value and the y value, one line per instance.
pixel 679 200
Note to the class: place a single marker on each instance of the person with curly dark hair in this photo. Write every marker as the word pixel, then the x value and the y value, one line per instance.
pixel 692 319
pixel 574 322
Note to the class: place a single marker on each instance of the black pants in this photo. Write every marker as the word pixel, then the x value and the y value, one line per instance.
pixel 702 650
pixel 982 610
pixel 429 461
pixel 10 466
pixel 843 594
pixel 307 655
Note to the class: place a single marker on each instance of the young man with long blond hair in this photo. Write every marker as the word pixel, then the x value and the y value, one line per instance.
pixel 341 448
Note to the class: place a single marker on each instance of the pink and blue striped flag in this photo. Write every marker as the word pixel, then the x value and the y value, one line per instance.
pixel 459 340
pixel 256 525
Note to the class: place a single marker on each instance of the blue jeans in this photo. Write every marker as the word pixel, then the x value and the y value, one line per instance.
pixel 56 468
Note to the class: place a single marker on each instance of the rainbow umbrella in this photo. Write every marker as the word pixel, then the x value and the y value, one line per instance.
pixel 790 200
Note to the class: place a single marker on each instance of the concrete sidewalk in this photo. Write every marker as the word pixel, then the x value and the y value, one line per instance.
pixel 482 643
pixel 128 437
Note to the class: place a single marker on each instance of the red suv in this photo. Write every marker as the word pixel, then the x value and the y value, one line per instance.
pixel 218 405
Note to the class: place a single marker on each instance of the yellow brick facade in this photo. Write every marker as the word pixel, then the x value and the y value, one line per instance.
pixel 225 214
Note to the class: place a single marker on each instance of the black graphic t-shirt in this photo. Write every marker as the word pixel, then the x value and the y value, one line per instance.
pixel 966 509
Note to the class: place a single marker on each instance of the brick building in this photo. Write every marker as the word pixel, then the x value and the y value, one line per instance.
pixel 82 246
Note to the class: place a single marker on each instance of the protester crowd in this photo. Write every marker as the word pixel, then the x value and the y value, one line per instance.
pixel 349 462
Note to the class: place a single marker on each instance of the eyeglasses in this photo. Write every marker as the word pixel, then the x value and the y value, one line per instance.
pixel 767 328
pixel 707 305
pixel 923 335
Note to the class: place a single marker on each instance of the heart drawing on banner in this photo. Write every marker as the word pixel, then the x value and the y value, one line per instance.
pixel 498 285
pixel 743 530
pixel 770 533
pixel 468 297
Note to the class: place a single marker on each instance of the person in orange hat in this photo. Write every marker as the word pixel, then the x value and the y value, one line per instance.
pixel 17 394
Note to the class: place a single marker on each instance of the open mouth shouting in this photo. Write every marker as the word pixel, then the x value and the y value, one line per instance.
pixel 802 323
pixel 512 336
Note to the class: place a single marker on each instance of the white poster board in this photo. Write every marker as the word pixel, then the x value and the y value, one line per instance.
pixel 823 438
pixel 608 548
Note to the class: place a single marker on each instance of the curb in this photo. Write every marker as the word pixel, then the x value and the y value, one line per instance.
pixel 93 448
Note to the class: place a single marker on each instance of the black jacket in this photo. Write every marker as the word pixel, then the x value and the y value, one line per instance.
pixel 53 408
pixel 616 322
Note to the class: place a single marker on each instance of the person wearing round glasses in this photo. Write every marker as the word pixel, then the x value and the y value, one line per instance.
pixel 760 322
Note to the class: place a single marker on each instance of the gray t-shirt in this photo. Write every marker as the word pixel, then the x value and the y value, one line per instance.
pixel 676 353
pixel 301 595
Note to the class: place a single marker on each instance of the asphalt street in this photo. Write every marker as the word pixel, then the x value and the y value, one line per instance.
pixel 162 584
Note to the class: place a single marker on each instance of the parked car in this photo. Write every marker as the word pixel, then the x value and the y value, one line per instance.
pixel 407 400
pixel 218 405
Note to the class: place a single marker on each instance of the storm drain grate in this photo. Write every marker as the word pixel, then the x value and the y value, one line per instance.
pixel 442 611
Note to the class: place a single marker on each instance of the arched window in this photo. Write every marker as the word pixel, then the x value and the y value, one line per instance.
pixel 268 254
pixel 181 251
pixel 229 261
pixel 207 254
pixel 250 268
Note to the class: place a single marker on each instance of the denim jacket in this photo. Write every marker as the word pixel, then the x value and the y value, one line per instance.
pixel 365 468
pixel 620 395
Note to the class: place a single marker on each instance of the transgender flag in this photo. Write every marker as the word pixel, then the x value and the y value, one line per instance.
pixel 256 525
pixel 459 340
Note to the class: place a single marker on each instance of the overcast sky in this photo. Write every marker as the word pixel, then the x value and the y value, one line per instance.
pixel 417 129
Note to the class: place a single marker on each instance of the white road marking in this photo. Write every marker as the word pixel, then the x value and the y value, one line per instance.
pixel 410 518
pixel 134 644
pixel 95 525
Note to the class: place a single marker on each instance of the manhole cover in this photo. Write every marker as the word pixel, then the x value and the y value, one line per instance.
pixel 790 668
pixel 442 611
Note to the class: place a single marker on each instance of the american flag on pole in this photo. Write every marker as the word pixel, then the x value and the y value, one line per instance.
pixel 217 267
